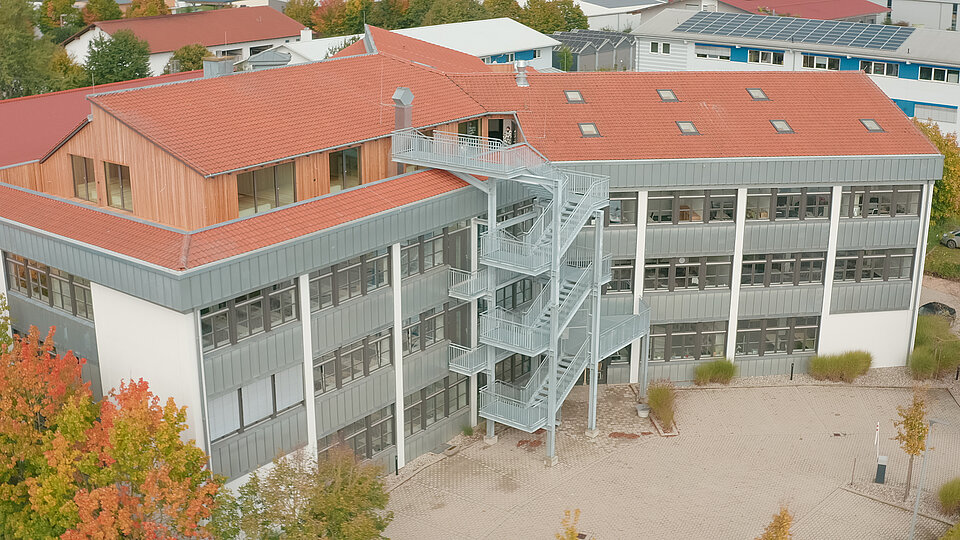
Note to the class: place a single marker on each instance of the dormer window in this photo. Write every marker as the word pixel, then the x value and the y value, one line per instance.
pixel 667 95
pixel 687 128
pixel 872 125
pixel 781 126
pixel 574 96
pixel 757 94
pixel 589 130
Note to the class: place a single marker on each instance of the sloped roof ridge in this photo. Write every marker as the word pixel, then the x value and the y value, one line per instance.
pixel 73 90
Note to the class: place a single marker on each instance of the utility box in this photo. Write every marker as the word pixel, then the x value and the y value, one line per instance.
pixel 881 469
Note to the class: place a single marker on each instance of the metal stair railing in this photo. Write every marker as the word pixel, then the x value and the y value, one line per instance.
pixel 590 191
pixel 568 378
pixel 575 297
pixel 528 251
pixel 464 152
pixel 498 403
pixel 632 327
pixel 467 285
pixel 465 360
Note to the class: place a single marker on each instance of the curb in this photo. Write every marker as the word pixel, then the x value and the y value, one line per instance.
pixel 893 505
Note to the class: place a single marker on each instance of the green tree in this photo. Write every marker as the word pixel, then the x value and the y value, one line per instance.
pixel 121 57
pixel 946 192
pixel 147 8
pixel 6 330
pixel 66 73
pixel 57 13
pixel 101 10
pixel 415 13
pixel 189 56
pixel 300 11
pixel 24 59
pixel 355 15
pixel 572 15
pixel 549 16
pixel 388 13
pixel 912 429
pixel 330 18
pixel 451 11
pixel 503 8
pixel 564 58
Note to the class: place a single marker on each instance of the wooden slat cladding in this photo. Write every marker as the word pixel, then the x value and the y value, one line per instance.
pixel 25 176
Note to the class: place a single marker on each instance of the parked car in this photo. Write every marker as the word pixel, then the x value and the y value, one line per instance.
pixel 951 239
pixel 936 308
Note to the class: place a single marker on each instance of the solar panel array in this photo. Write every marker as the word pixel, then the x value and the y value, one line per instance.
pixel 580 37
pixel 746 25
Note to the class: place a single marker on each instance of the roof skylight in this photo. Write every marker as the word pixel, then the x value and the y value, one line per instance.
pixel 781 126
pixel 872 125
pixel 574 96
pixel 589 130
pixel 687 128
pixel 667 95
pixel 758 94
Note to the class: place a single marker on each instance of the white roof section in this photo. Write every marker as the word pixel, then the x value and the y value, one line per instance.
pixel 594 8
pixel 923 45
pixel 315 49
pixel 482 38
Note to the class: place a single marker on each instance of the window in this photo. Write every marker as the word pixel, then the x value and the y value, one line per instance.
pixel 424 331
pixel 259 49
pixel 623 209
pixel 789 335
pixel 574 96
pixel 821 62
pixel 344 169
pixel 513 367
pixel 782 269
pixel 871 125
pixel 435 402
pixel 622 276
pixel 788 203
pixel 712 52
pixel 781 126
pixel 757 94
pixel 471 128
pixel 427 251
pixel 353 361
pixel 765 57
pixel 362 275
pixel 688 341
pixel 515 294
pixel 265 189
pixel 698 273
pixel 51 286
pixel 879 201
pixel 255 401
pixel 687 128
pixel 691 206
pixel 874 265
pixel 589 130
pixel 366 437
pixel 253 313
pixel 936 113
pixel 536 53
pixel 84 181
pixel 667 95
pixel 118 186
pixel 887 69
pixel 928 73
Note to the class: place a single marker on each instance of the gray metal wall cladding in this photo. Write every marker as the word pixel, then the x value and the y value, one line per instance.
pixel 785 301
pixel 255 447
pixel 743 172
pixel 689 306
pixel 747 366
pixel 878 233
pixel 878 296
pixel 618 241
pixel 616 304
pixel 354 319
pixel 423 292
pixel 250 359
pixel 355 401
pixel 618 374
pixel 673 240
pixel 425 367
pixel 73 333
pixel 436 435
pixel 785 236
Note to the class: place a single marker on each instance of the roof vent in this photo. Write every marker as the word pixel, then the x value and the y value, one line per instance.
pixel 521 66
pixel 217 66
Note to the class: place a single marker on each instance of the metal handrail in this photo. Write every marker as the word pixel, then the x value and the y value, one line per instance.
pixel 465 358
pixel 467 283
pixel 468 151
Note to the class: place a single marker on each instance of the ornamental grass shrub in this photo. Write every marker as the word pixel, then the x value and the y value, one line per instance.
pixel 718 371
pixel 949 496
pixel 844 367
pixel 662 399
pixel 937 349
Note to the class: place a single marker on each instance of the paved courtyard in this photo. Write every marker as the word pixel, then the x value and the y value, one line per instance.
pixel 742 452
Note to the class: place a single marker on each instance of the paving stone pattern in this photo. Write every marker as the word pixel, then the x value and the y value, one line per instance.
pixel 742 452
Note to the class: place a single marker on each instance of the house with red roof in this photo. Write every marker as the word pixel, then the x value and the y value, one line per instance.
pixel 377 249
pixel 238 32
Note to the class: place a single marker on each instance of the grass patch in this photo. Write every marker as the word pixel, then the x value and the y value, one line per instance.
pixel 949 496
pixel 932 330
pixel 468 431
pixel 718 371
pixel 942 261
pixel 937 350
pixel 662 399
pixel 844 367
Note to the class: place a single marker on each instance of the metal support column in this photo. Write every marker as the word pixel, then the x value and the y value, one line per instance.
pixel 595 359
pixel 491 301
pixel 644 368
pixel 553 353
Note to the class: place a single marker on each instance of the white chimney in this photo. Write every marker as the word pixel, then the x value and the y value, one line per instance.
pixel 306 34
pixel 521 66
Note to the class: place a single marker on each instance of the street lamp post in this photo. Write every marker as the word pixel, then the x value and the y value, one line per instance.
pixel 923 470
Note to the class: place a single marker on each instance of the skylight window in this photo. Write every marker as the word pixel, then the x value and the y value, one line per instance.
pixel 781 126
pixel 589 130
pixel 574 96
pixel 687 128
pixel 758 94
pixel 667 95
pixel 871 125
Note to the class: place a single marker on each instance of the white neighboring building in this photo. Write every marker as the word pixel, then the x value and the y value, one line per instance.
pixel 618 15
pixel 936 14
pixel 236 31
pixel 921 74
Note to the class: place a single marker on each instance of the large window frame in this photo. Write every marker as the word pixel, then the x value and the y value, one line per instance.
pixel 260 394
pixel 366 437
pixel 435 402
pixel 776 204
pixel 354 361
pixel 938 74
pixel 776 269
pixel 687 273
pixel 880 201
pixel 856 266
pixel 342 175
pixel 266 188
pixel 84 178
pixel 784 335
pixel 818 61
pixel 333 285
pixel 119 191
pixel 887 69
pixel 622 209
pixel 691 206
pixel 58 289
pixel 759 56
pixel 688 341
pixel 259 311
pixel 622 272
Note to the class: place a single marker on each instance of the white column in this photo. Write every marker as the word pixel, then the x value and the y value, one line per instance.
pixel 919 259
pixel 474 327
pixel 491 300
pixel 735 271
pixel 595 359
pixel 830 264
pixel 396 285
pixel 638 268
pixel 307 343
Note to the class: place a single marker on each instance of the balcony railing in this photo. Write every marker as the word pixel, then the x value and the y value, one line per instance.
pixel 467 153
pixel 466 285
pixel 497 404
pixel 465 360
pixel 627 329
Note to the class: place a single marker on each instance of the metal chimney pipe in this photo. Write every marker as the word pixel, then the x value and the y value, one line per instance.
pixel 521 66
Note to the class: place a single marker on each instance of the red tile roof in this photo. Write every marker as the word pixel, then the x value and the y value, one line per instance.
pixel 810 9
pixel 422 52
pixel 44 120
pixel 215 27
pixel 183 250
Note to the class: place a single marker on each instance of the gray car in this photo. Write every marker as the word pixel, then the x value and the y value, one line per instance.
pixel 951 239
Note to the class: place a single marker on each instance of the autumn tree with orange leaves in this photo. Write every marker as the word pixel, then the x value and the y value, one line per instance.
pixel 75 468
